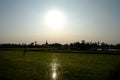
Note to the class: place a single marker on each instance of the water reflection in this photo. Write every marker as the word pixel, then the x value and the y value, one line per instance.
pixel 54 66
pixel 54 74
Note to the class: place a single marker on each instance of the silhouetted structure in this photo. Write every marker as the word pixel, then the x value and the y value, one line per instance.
pixel 46 43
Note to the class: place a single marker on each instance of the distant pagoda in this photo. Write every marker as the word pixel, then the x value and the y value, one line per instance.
pixel 46 43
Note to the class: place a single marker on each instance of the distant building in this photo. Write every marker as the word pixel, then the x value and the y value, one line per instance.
pixel 46 43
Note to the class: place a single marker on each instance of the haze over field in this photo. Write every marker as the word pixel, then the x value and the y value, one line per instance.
pixel 61 21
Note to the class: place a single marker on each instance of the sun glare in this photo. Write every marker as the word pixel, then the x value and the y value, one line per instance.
pixel 55 19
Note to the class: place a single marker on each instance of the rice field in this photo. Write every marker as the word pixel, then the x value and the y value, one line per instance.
pixel 58 66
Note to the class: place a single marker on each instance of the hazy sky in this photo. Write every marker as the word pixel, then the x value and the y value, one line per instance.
pixel 22 21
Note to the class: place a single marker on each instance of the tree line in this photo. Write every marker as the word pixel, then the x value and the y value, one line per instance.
pixel 82 45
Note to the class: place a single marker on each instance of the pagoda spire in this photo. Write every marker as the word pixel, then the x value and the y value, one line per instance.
pixel 46 42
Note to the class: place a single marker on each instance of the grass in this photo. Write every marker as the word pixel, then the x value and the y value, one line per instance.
pixel 69 66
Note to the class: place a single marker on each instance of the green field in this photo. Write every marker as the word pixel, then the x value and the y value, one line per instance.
pixel 58 66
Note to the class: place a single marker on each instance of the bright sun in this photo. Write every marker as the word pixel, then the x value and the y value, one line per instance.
pixel 55 19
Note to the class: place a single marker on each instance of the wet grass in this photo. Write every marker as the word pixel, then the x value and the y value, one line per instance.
pixel 70 66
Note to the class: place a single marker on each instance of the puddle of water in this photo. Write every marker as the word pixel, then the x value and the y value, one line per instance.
pixel 54 67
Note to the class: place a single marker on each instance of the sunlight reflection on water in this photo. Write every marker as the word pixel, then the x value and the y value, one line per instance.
pixel 54 66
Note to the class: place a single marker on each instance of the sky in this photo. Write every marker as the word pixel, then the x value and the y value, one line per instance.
pixel 23 21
